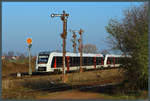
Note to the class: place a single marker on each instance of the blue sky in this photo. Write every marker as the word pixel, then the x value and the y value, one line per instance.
pixel 21 20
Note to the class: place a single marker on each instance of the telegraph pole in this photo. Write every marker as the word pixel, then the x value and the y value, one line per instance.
pixel 74 40
pixel 63 17
pixel 80 48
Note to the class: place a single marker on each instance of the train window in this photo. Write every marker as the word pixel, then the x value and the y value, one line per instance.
pixel 116 60
pixel 98 60
pixel 84 62
pixel 70 61
pixel 119 60
pixel 43 58
pixel 102 60
pixel 65 61
pixel 90 60
pixel 110 60
pixel 59 61
pixel 76 61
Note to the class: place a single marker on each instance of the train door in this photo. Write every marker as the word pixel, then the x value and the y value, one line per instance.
pixel 108 61
pixel 95 62
pixel 68 63
pixel 114 61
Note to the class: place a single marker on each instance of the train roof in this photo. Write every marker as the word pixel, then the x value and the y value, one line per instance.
pixel 45 52
pixel 53 53
pixel 114 55
pixel 76 54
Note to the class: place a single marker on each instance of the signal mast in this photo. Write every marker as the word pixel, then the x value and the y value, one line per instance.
pixel 63 17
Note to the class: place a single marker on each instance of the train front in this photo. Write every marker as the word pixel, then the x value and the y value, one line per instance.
pixel 42 62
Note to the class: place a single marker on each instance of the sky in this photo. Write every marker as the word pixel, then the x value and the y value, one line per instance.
pixel 22 20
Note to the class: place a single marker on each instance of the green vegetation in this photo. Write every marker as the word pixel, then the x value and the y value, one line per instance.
pixel 130 36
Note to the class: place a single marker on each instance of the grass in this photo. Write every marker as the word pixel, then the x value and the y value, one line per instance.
pixel 31 87
pixel 15 66
pixel 17 93
pixel 31 91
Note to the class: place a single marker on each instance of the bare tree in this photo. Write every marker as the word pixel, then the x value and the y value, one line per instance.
pixel 5 54
pixel 130 36
pixel 89 48
pixel 21 55
pixel 104 52
pixel 10 54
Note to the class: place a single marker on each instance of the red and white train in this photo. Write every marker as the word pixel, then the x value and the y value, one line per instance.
pixel 52 61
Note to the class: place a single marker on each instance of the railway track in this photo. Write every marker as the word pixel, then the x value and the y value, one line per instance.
pixel 55 87
pixel 37 74
pixel 47 83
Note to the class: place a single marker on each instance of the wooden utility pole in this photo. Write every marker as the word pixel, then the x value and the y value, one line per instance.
pixel 80 49
pixel 63 17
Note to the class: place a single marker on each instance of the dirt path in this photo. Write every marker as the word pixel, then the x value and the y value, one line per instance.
pixel 74 94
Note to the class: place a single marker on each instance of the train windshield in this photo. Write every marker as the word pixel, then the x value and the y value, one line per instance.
pixel 43 58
